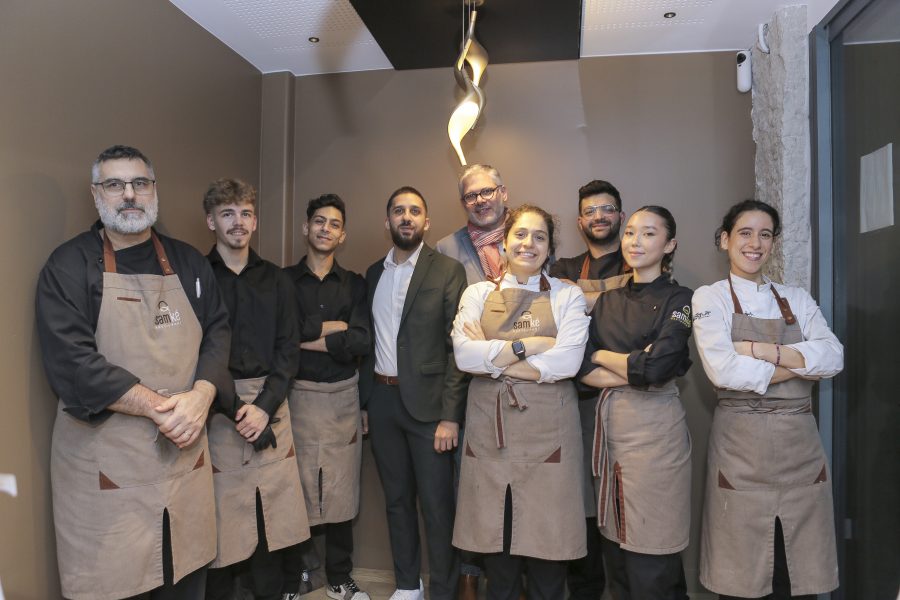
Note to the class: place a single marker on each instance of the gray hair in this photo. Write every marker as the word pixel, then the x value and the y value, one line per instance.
pixel 471 170
pixel 119 152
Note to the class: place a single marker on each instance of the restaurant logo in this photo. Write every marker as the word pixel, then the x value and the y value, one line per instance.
pixel 683 316
pixel 166 317
pixel 526 321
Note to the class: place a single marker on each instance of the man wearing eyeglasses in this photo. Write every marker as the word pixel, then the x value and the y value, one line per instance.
pixel 478 245
pixel 135 342
pixel 599 269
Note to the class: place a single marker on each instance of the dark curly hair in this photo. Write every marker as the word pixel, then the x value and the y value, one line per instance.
pixel 740 208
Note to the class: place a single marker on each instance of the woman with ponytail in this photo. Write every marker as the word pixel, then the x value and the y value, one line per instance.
pixel 636 348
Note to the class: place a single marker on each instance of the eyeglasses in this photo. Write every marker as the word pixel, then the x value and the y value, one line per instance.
pixel 484 193
pixel 116 187
pixel 607 209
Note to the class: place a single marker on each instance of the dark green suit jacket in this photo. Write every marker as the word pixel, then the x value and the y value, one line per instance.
pixel 431 387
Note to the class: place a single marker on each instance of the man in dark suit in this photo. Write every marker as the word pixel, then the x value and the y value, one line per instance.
pixel 414 396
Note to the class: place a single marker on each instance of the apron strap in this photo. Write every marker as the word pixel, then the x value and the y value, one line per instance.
pixel 109 255
pixel 544 287
pixel 507 392
pixel 600 455
pixel 585 267
pixel 785 307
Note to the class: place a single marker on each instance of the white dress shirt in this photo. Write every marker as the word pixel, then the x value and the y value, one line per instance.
pixel 560 362
pixel 387 308
pixel 713 310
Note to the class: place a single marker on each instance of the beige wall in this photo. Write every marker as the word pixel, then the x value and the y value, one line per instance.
pixel 667 130
pixel 76 78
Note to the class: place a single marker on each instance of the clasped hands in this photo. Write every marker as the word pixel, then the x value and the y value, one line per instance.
pixel 181 417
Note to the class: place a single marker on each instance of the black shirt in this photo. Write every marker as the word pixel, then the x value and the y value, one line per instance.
pixel 608 265
pixel 340 296
pixel 67 306
pixel 264 334
pixel 627 319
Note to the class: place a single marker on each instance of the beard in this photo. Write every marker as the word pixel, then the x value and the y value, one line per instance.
pixel 114 220
pixel 612 234
pixel 238 243
pixel 404 243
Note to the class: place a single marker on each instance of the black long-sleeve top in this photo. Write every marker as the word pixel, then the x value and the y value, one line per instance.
pixel 608 265
pixel 339 296
pixel 627 319
pixel 265 337
pixel 67 305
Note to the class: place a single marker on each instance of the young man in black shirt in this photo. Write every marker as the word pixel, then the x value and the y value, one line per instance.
pixel 255 472
pixel 335 333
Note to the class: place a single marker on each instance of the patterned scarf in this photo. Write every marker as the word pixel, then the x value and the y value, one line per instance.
pixel 487 243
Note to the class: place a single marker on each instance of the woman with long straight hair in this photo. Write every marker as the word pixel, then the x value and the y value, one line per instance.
pixel 636 348
pixel 768 521
pixel 522 336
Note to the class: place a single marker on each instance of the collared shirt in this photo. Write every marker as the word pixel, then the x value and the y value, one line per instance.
pixel 608 265
pixel 559 362
pixel 264 333
pixel 713 313
pixel 628 319
pixel 69 293
pixel 339 296
pixel 387 309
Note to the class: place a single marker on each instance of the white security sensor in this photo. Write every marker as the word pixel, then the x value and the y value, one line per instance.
pixel 744 71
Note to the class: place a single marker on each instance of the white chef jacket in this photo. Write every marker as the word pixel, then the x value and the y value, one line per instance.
pixel 560 362
pixel 387 308
pixel 713 310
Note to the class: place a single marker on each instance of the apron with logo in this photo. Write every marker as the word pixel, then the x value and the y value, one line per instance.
pixel 328 434
pixel 239 471
pixel 765 461
pixel 587 408
pixel 641 459
pixel 525 436
pixel 113 480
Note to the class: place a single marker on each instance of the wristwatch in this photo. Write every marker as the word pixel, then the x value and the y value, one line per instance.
pixel 518 348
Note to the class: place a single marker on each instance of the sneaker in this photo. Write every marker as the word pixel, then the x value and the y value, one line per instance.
pixel 347 591
pixel 418 594
pixel 290 596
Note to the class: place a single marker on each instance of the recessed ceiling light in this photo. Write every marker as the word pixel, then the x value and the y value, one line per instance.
pixel 669 15
pixel 315 40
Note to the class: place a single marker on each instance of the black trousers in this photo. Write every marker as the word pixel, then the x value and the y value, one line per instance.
pixel 585 578
pixel 781 579
pixel 636 576
pixel 189 587
pixel 264 568
pixel 338 555
pixel 545 579
pixel 409 468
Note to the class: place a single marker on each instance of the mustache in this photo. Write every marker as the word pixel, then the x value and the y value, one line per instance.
pixel 130 206
pixel 237 230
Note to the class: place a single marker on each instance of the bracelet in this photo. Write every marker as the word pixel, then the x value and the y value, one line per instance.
pixel 752 353
pixel 777 355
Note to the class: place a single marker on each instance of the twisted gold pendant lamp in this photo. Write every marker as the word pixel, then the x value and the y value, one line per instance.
pixel 473 57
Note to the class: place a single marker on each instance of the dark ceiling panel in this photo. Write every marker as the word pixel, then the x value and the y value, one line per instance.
pixel 421 34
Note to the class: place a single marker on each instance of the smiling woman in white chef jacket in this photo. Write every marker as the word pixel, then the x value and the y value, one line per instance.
pixel 768 523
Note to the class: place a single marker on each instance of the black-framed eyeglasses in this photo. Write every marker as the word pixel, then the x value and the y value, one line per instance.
pixel 607 209
pixel 484 193
pixel 116 187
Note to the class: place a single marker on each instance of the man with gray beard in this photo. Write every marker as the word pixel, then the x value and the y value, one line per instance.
pixel 135 342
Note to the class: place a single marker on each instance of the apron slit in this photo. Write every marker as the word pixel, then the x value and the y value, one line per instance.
pixel 321 498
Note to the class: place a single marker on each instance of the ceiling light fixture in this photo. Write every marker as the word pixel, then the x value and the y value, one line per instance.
pixel 472 57
pixel 669 15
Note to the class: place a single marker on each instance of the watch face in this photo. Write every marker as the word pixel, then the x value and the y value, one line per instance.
pixel 518 348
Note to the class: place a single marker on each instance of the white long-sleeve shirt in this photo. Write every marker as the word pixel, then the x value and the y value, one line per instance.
pixel 560 362
pixel 713 310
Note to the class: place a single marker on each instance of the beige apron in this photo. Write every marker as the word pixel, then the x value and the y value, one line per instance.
pixel 765 461
pixel 587 408
pixel 239 471
pixel 112 480
pixel 328 434
pixel 642 461
pixel 524 435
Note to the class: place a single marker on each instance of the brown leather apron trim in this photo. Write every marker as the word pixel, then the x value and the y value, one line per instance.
pixel 201 460
pixel 498 424
pixel 126 299
pixel 783 305
pixel 724 483
pixel 109 255
pixel 215 469
pixel 469 450
pixel 292 452
pixel 823 475
pixel 586 270
pixel 354 438
pixel 620 503
pixel 106 483
pixel 555 457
